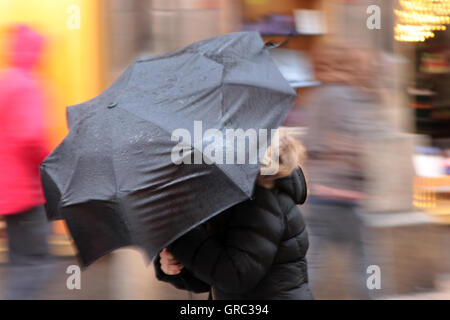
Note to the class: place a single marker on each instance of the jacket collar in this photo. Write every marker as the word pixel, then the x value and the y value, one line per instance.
pixel 294 185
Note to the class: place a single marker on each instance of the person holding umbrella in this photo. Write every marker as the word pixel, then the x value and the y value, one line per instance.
pixel 114 181
pixel 254 250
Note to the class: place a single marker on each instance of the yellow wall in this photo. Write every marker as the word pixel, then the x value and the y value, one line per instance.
pixel 72 64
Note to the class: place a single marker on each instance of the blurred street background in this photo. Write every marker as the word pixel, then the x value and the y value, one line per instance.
pixel 373 84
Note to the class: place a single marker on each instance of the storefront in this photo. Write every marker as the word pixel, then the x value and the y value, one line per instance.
pixel 422 34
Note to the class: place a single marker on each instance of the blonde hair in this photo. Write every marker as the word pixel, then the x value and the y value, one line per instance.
pixel 290 155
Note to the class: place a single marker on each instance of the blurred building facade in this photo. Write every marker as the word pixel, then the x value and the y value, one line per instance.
pixel 153 27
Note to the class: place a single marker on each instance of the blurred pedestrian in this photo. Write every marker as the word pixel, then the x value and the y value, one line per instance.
pixel 343 114
pixel 22 148
pixel 254 250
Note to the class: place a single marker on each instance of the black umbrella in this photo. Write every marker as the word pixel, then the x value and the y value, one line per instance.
pixel 122 175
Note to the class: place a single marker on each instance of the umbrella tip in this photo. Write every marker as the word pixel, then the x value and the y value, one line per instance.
pixel 112 105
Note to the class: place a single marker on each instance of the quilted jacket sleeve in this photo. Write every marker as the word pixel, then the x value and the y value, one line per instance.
pixel 236 262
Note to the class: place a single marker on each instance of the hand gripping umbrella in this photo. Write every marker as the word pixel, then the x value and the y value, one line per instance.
pixel 118 179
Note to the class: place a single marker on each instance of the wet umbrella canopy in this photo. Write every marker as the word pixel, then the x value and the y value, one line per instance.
pixel 114 178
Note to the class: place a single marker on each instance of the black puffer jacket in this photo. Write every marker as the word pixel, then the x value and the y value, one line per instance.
pixel 254 250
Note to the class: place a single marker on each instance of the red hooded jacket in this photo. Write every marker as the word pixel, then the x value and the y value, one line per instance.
pixel 22 130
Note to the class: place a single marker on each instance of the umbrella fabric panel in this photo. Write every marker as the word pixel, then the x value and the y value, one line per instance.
pixel 235 87
pixel 193 196
pixel 97 228
pixel 163 200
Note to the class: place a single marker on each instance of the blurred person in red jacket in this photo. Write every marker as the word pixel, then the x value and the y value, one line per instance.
pixel 22 148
